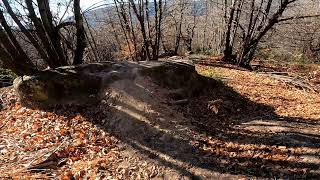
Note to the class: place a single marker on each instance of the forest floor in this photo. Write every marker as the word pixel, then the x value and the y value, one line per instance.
pixel 250 125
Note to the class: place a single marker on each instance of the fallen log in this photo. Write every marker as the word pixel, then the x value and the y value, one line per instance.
pixel 296 81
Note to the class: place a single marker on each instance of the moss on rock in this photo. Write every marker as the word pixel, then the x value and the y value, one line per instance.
pixel 6 77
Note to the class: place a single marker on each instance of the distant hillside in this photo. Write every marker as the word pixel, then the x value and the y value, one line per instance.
pixel 96 16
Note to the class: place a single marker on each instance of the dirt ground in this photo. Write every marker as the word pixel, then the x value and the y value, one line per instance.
pixel 247 126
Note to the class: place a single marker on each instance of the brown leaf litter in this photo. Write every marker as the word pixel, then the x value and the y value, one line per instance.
pixel 249 125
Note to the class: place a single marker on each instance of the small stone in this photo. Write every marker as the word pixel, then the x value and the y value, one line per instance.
pixel 37 115
pixel 21 110
pixel 282 147
pixel 3 151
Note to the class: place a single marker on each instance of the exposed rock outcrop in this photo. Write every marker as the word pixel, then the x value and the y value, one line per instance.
pixel 84 84
pixel 79 85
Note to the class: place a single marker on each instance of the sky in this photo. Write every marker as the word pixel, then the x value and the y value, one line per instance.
pixel 87 3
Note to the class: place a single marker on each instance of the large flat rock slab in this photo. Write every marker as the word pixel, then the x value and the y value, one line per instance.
pixel 79 85
pixel 84 84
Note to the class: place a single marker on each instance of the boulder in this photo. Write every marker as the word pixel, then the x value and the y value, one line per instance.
pixel 78 85
pixel 178 75
pixel 85 84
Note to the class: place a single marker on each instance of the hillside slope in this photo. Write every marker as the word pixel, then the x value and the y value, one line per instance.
pixel 246 125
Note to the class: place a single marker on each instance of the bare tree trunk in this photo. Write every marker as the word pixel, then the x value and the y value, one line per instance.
pixel 123 23
pixel 91 40
pixel 141 19
pixel 258 25
pixel 249 51
pixel 17 61
pixel 13 39
pixel 158 20
pixel 53 55
pixel 81 37
pixel 48 41
pixel 52 32
pixel 228 52
pixel 134 38
pixel 179 27
pixel 159 32
pixel 26 32
pixel 204 42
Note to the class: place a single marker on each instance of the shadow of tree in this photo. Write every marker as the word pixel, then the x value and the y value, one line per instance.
pixel 189 138
pixel 223 64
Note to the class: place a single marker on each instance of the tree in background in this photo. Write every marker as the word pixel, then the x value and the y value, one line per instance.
pixel 149 29
pixel 300 38
pixel 146 29
pixel 248 22
pixel 141 27
pixel 43 32
pixel 236 29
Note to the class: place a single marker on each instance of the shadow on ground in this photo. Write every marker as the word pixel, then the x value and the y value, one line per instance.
pixel 219 131
pixel 258 66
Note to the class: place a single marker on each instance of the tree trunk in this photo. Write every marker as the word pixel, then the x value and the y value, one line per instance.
pixel 53 55
pixel 12 59
pixel 123 22
pixel 52 32
pixel 13 39
pixel 141 19
pixel 179 28
pixel 258 25
pixel 81 37
pixel 26 32
pixel 228 48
